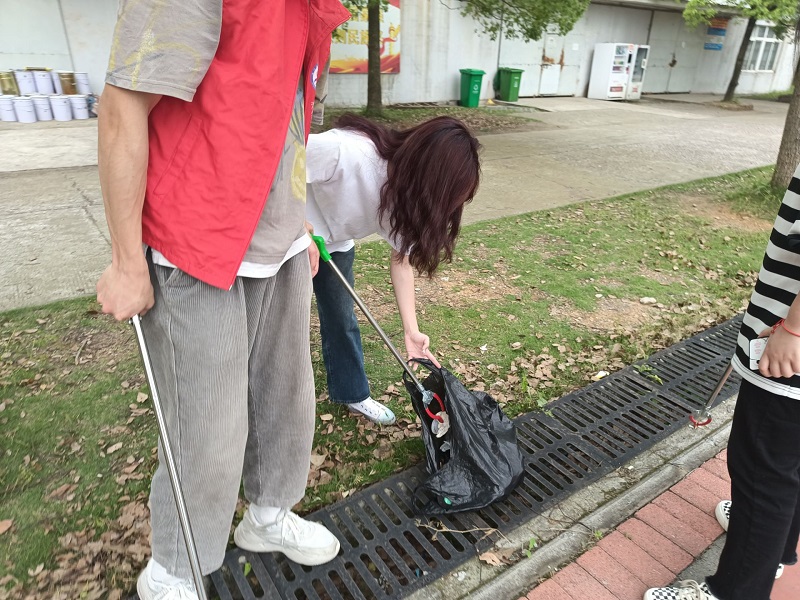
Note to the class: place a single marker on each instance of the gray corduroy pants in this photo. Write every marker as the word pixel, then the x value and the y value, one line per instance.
pixel 233 371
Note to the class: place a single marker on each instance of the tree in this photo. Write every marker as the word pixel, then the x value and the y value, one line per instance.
pixel 781 12
pixel 526 19
pixel 374 88
pixel 789 153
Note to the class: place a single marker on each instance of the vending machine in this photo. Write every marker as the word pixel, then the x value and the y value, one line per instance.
pixel 638 68
pixel 618 71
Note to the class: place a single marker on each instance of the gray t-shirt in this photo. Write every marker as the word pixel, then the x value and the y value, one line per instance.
pixel 286 203
pixel 164 46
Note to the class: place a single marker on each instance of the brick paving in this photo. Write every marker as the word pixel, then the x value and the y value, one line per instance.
pixel 655 545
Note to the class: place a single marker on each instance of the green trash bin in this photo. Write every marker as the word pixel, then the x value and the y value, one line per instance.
pixel 509 83
pixel 471 80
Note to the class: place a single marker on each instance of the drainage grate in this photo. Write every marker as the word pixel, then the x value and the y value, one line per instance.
pixel 586 435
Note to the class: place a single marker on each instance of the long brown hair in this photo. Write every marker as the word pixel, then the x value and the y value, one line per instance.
pixel 433 170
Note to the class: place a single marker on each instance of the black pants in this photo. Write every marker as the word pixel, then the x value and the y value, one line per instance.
pixel 764 465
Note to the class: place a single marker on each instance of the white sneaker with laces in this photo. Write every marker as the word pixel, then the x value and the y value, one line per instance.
pixel 374 411
pixel 304 542
pixel 150 589
pixel 683 590
pixel 723 514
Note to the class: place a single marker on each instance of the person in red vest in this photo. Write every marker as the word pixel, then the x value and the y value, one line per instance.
pixel 202 132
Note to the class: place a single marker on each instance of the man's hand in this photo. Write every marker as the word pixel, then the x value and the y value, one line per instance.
pixel 418 346
pixel 124 289
pixel 124 293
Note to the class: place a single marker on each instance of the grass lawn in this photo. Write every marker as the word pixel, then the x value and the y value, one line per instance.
pixel 531 307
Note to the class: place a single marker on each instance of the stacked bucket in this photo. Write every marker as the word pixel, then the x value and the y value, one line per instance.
pixel 31 95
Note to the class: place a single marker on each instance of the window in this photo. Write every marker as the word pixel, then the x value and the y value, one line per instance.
pixel 762 49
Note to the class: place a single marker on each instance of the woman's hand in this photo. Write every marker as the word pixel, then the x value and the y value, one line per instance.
pixel 313 251
pixel 418 346
pixel 781 357
pixel 313 258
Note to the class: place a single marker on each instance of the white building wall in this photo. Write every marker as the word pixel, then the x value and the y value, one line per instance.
pixel 33 35
pixel 65 35
pixel 436 43
pixel 90 27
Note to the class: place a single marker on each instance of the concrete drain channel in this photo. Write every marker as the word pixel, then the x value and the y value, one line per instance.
pixel 387 553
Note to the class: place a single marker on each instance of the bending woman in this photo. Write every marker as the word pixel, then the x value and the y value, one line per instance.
pixel 409 187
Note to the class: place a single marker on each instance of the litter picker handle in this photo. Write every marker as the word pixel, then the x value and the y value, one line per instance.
pixel 325 256
pixel 177 491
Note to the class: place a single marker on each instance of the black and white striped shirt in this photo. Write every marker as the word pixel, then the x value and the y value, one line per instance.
pixel 777 286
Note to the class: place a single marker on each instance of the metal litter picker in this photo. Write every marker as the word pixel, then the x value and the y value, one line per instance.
pixel 702 417
pixel 440 423
pixel 180 503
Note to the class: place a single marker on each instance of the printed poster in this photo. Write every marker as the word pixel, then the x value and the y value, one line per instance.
pixel 349 48
pixel 715 33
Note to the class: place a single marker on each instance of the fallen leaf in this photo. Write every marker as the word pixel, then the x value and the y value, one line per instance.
pixel 317 459
pixel 326 417
pixel 490 558
pixel 113 448
pixel 62 492
pixel 5 525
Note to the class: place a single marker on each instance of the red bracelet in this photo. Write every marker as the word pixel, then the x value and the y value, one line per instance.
pixel 785 328
pixel 775 327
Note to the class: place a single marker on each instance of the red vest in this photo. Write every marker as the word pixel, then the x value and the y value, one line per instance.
pixel 212 160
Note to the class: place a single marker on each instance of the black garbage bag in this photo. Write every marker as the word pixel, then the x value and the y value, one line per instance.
pixel 477 462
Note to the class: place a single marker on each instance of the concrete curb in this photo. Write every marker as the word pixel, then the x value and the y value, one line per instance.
pixel 568 529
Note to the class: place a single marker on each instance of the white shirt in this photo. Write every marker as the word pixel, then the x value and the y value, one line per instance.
pixel 345 175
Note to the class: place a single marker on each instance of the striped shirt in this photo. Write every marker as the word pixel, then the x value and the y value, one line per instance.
pixel 777 287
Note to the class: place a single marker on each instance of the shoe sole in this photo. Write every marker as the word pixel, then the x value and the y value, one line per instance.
pixel 302 557
pixel 368 418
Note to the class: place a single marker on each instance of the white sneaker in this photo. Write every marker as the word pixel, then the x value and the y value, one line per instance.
pixel 150 589
pixel 723 514
pixel 683 590
pixel 374 411
pixel 304 542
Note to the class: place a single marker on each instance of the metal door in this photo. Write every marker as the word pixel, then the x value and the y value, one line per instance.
pixel 674 53
pixel 552 62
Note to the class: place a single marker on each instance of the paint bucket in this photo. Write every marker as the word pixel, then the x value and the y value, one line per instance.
pixel 80 106
pixel 7 109
pixel 23 107
pixel 41 104
pixel 44 82
pixel 61 107
pixel 67 79
pixel 25 82
pixel 8 84
pixel 82 83
pixel 56 82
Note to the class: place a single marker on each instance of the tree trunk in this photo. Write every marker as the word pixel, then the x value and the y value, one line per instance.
pixel 374 94
pixel 789 154
pixel 737 69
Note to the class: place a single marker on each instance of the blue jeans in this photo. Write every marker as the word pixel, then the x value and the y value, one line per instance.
pixel 341 337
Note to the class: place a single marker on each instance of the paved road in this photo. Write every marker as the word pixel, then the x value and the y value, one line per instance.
pixel 56 243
